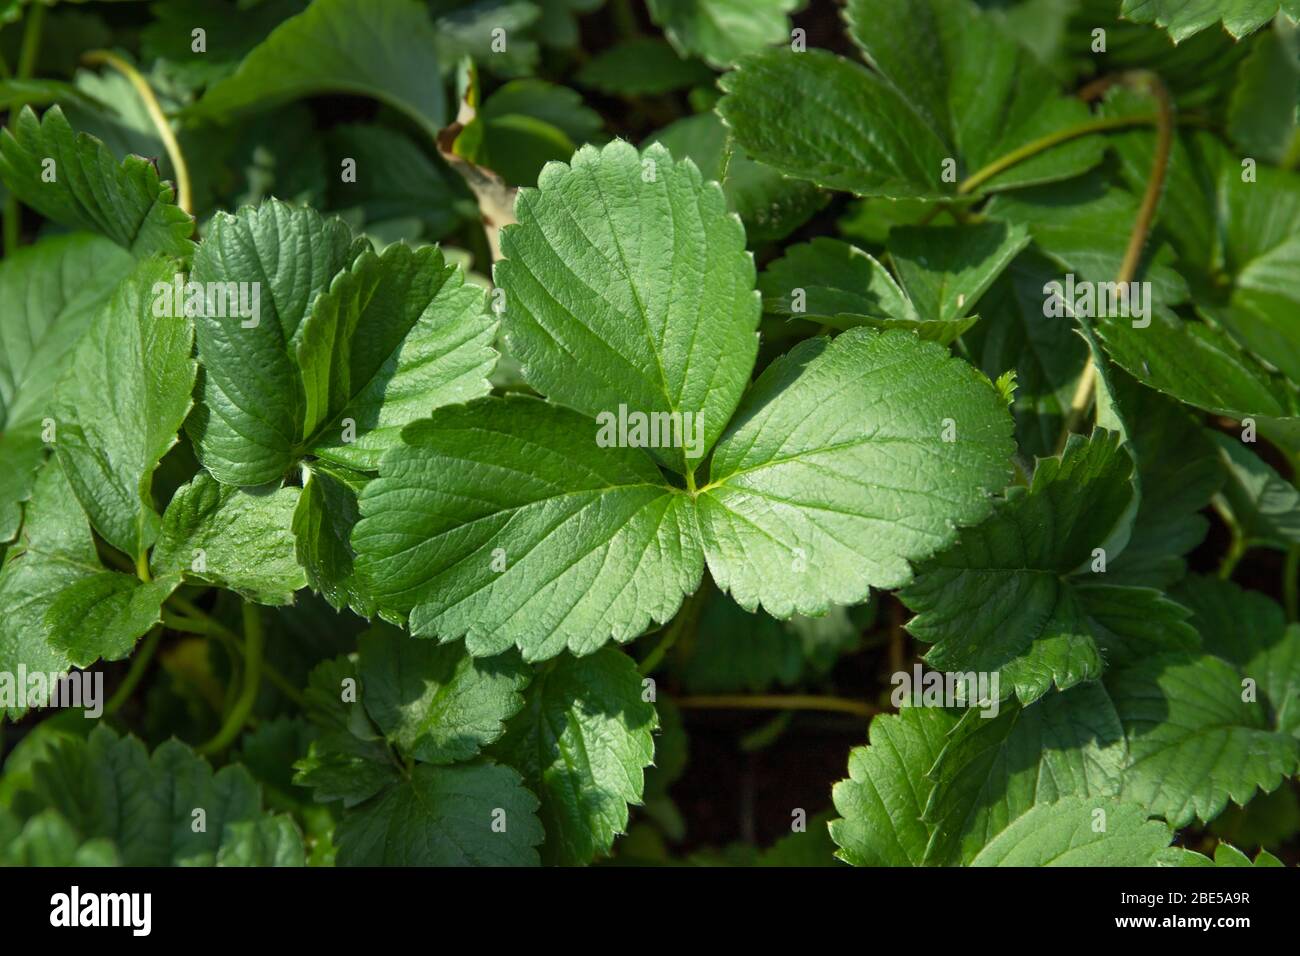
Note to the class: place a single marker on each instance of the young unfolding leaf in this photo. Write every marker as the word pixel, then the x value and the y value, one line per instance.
pixel 582 742
pixel 250 399
pixel 73 179
pixel 1261 506
pixel 120 404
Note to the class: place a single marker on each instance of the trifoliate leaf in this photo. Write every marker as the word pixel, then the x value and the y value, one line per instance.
pixel 1183 18
pixel 395 336
pixel 641 66
pixel 102 616
pixel 721 31
pixel 340 46
pixel 110 788
pixel 120 404
pixel 1080 831
pixel 627 284
pixel 1261 505
pixel 882 803
pixel 475 814
pixel 251 402
pixel 434 702
pixel 582 742
pixel 910 126
pixel 770 205
pixel 565 545
pixel 996 768
pixel 322 530
pixel 1194 741
pixel 51 291
pixel 809 487
pixel 1249 630
pixel 73 179
pixel 235 538
pixel 1008 596
pixel 54 551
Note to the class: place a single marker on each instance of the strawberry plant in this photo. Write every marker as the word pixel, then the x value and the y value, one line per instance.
pixel 477 433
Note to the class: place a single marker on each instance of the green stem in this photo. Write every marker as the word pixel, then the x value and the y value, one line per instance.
pixel 776 702
pixel 5 72
pixel 1043 143
pixel 239 714
pixel 1137 238
pixel 1290 574
pixel 197 621
pixel 31 47
pixel 139 664
pixel 184 194
pixel 1230 560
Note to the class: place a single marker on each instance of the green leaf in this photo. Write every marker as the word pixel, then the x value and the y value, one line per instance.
pixel 89 190
pixel 1044 351
pixel 395 179
pixel 395 336
pixel 102 616
pixel 51 290
pixel 109 788
pixel 813 497
pixel 1177 474
pixel 15 94
pixel 1260 505
pixel 385 51
pixel 582 742
pixel 54 551
pixel 120 404
pixel 1013 595
pixel 641 66
pixel 882 802
pixel 1066 834
pixel 946 269
pixel 240 539
pixel 435 702
pixel 322 530
pixel 994 770
pixel 505 523
pixel 911 126
pixel 1261 117
pixel 1194 743
pixel 1249 630
pixel 251 407
pixel 627 284
pixel 524 125
pixel 770 205
pixel 47 839
pixel 842 287
pixel 1183 18
pixel 466 815
pixel 721 31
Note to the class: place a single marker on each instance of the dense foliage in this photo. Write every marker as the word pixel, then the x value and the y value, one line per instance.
pixel 425 419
